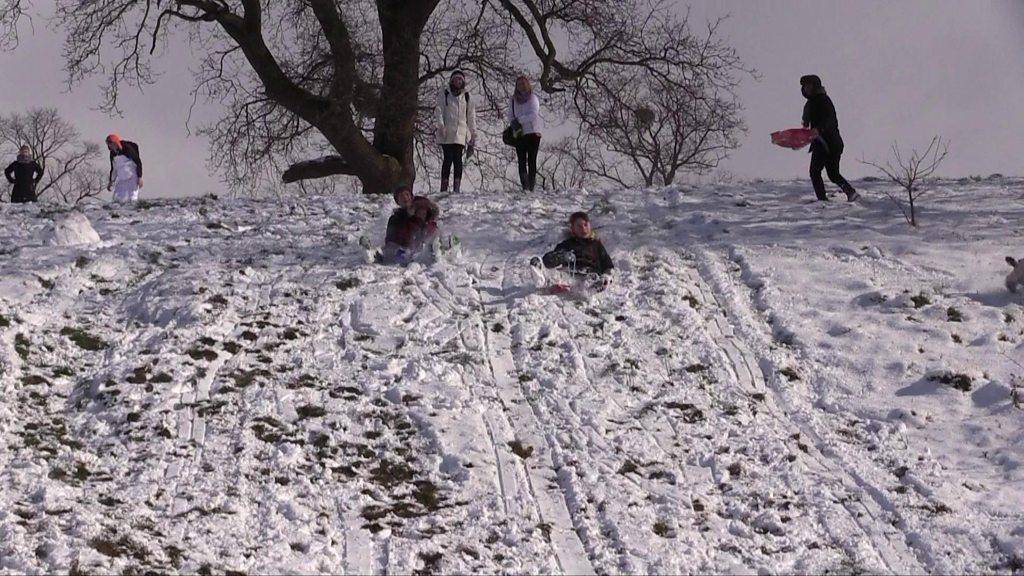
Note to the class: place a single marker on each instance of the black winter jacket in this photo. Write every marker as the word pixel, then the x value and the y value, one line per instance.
pixel 590 256
pixel 24 174
pixel 131 150
pixel 820 113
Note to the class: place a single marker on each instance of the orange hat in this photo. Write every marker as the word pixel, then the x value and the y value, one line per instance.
pixel 114 139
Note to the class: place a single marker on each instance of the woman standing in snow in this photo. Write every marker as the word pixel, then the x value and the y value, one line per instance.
pixel 524 119
pixel 456 128
pixel 125 169
pixel 24 173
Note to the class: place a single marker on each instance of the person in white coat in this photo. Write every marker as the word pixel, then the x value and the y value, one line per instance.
pixel 456 128
pixel 125 169
pixel 524 118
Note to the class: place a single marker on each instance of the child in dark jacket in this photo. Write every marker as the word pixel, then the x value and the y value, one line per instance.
pixel 410 226
pixel 583 253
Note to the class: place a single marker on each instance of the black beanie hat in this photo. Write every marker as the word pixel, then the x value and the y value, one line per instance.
pixel 811 79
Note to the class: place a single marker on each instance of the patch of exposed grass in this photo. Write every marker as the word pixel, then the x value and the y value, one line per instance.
pixel 692 301
pixel 310 411
pixel 4 322
pixel 954 315
pixel 662 529
pixel 690 413
pixel 524 451
pixel 921 300
pixel 83 339
pixel 198 353
pixel 63 372
pixel 790 373
pixel 22 345
pixel 961 382
pixel 347 283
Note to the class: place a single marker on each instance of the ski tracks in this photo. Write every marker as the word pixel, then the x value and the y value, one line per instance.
pixel 862 507
pixel 529 440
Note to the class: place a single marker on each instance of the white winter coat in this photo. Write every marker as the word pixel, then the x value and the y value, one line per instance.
pixel 527 113
pixel 456 118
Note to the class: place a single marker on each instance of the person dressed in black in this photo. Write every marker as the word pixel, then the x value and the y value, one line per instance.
pixel 24 173
pixel 827 147
pixel 582 253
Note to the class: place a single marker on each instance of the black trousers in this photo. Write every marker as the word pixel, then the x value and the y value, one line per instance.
pixel 452 158
pixel 827 158
pixel 526 152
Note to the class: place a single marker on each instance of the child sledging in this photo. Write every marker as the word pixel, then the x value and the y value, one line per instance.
pixel 581 255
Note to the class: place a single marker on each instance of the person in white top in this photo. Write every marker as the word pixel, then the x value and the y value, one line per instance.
pixel 456 128
pixel 524 118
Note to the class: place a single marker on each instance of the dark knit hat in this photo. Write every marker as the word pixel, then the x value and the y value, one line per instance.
pixel 811 79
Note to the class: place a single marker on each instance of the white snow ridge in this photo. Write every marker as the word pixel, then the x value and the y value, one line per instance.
pixel 766 386
pixel 72 229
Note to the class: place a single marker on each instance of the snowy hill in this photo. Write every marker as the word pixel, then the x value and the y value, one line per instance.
pixel 221 385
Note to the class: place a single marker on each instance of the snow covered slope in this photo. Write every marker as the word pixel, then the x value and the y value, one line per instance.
pixel 768 385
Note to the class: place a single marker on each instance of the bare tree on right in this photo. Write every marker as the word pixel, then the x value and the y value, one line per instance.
pixel 910 172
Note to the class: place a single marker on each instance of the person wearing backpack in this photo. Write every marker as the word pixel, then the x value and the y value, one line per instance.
pixel 25 173
pixel 525 123
pixel 125 169
pixel 456 128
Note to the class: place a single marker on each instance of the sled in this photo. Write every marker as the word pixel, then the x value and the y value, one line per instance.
pixel 795 138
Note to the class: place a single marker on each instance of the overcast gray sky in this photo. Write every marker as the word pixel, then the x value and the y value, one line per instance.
pixel 897 70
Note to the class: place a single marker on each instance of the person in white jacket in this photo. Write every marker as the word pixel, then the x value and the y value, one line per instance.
pixel 456 128
pixel 524 118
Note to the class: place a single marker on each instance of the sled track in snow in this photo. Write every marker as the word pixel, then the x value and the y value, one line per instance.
pixel 542 479
pixel 690 478
pixel 734 337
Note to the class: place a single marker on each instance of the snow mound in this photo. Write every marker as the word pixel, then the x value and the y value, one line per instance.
pixel 72 230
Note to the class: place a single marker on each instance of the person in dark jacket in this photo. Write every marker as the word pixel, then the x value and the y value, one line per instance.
pixel 125 169
pixel 827 148
pixel 25 173
pixel 410 226
pixel 583 253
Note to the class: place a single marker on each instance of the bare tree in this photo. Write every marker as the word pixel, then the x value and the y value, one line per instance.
pixel 909 172
pixel 654 127
pixel 351 82
pixel 70 174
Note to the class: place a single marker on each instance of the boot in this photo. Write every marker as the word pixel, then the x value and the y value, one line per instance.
pixel 456 185
pixel 444 185
pixel 532 182
pixel 524 181
pixel 851 194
